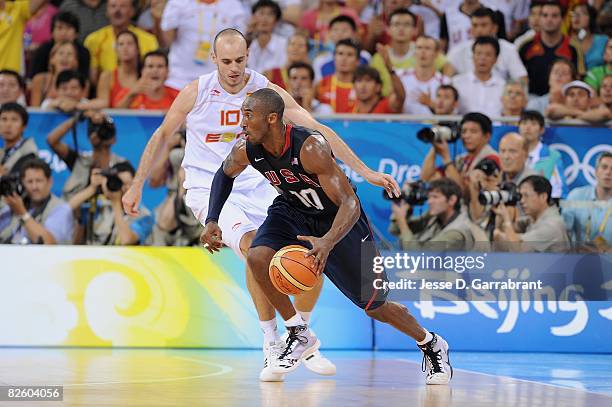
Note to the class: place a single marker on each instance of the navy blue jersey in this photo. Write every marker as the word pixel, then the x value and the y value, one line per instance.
pixel 301 189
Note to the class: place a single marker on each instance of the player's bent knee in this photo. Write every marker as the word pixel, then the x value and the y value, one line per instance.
pixel 378 313
pixel 245 242
pixel 258 259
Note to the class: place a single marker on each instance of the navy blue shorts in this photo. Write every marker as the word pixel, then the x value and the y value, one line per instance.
pixel 349 265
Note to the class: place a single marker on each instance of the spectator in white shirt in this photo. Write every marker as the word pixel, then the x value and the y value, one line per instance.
pixel 189 29
pixel 447 100
pixel 455 23
pixel 267 49
pixel 515 12
pixel 422 81
pixel 481 90
pixel 508 65
pixel 514 99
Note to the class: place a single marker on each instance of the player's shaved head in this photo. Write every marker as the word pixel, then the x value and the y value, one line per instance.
pixel 229 34
pixel 266 101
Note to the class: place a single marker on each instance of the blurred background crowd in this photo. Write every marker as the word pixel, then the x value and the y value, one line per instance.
pixel 530 61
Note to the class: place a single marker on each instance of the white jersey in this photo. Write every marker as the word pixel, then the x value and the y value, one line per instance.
pixel 213 127
pixel 458 25
pixel 415 87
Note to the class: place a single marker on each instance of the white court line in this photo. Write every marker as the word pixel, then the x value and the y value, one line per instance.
pixel 514 378
pixel 224 369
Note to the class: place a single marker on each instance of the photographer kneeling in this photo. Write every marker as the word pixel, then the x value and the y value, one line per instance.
pixel 541 230
pixel 102 135
pixel 443 227
pixel 102 216
pixel 32 214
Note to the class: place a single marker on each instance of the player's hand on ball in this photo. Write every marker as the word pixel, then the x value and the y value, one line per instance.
pixel 211 237
pixel 386 181
pixel 320 251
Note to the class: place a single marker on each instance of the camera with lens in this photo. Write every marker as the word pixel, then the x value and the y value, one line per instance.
pixel 443 131
pixel 413 194
pixel 10 184
pixel 113 182
pixel 507 193
pixel 105 129
pixel 488 166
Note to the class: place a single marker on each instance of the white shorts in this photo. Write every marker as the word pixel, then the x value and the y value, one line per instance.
pixel 243 212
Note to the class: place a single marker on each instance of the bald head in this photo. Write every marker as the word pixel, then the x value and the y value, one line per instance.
pixel 514 139
pixel 513 151
pixel 229 36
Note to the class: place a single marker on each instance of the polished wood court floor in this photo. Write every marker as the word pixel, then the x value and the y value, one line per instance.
pixel 166 377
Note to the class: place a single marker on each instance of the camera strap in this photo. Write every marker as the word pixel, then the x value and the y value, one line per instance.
pixel 8 153
pixel 36 215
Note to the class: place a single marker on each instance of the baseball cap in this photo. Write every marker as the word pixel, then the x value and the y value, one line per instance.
pixel 578 84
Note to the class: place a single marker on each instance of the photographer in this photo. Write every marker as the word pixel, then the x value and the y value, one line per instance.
pixel 17 149
pixel 102 136
pixel 475 129
pixel 175 224
pixel 443 227
pixel 514 154
pixel 32 214
pixel 102 219
pixel 541 230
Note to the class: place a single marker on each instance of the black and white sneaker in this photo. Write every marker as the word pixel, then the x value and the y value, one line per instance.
pixel 271 351
pixel 299 345
pixel 436 363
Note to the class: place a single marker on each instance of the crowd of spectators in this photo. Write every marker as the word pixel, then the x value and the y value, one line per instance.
pixel 527 60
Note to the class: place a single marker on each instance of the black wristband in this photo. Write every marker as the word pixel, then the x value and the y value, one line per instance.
pixel 219 192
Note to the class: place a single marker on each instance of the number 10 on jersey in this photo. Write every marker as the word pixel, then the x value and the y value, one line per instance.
pixel 230 117
pixel 309 198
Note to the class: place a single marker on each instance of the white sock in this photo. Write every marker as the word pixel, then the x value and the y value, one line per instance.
pixel 305 316
pixel 270 330
pixel 294 321
pixel 428 337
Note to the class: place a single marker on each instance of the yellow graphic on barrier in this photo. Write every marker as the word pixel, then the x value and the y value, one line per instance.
pixel 107 296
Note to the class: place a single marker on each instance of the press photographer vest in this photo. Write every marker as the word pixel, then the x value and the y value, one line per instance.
pixel 79 177
pixel 26 148
pixel 41 217
pixel 473 236
pixel 461 162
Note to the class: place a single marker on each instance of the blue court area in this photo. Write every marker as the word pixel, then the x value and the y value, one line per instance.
pixel 587 372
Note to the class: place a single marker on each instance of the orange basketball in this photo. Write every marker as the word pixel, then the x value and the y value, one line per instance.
pixel 291 272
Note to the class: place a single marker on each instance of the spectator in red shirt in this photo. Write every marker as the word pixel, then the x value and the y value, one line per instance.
pixel 317 20
pixel 337 90
pixel 368 90
pixel 150 93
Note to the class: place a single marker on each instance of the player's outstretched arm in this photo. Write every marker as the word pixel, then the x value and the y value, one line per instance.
pixel 220 190
pixel 172 121
pixel 301 117
pixel 316 158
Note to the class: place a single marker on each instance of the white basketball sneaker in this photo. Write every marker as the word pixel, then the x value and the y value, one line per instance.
pixel 300 344
pixel 316 363
pixel 271 351
pixel 436 363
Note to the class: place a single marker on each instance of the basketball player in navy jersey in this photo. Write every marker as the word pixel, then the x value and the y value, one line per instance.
pixel 210 109
pixel 317 207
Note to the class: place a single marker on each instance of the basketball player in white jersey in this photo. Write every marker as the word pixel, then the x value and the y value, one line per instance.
pixel 210 107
